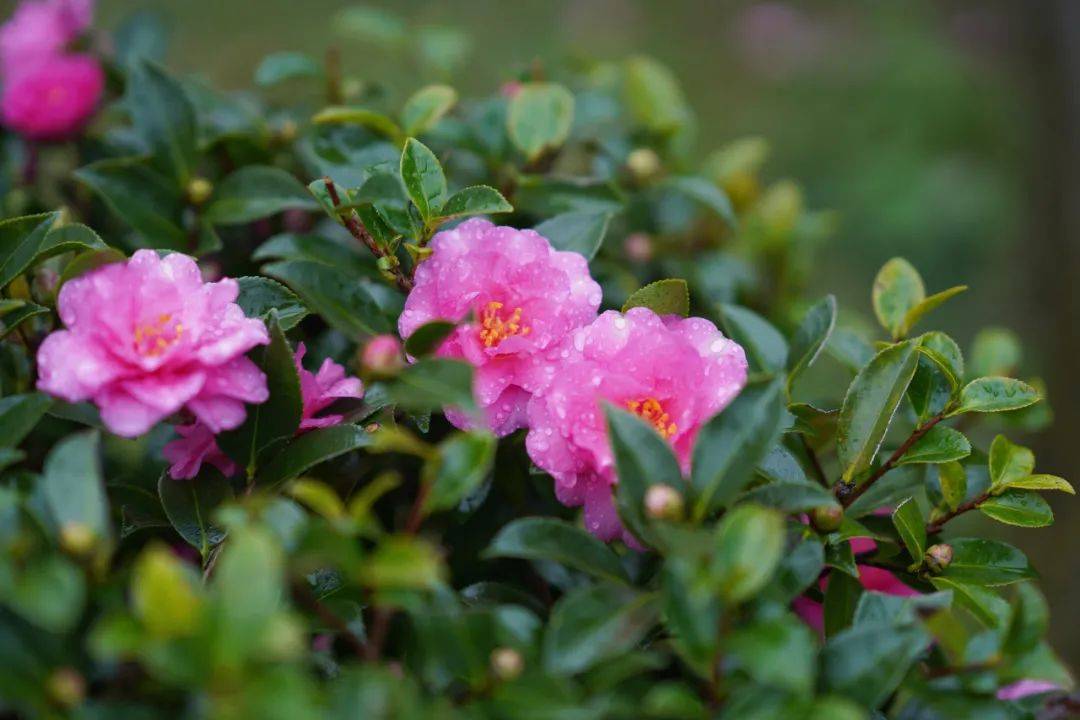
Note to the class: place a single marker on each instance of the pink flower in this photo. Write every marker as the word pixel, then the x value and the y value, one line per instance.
pixel 197 443
pixel 148 337
pixel 524 296
pixel 1023 688
pixel 320 390
pixel 53 98
pixel 382 354
pixel 40 29
pixel 675 373
pixel 195 446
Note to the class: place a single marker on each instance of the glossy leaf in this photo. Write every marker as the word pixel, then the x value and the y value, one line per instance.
pixel 581 231
pixel 262 297
pixel 985 604
pixel 353 305
pixel 810 337
pixel 995 394
pixel 869 406
pixel 19 414
pixel 464 461
pixel 310 449
pixel 254 192
pixel 898 288
pixel 423 178
pixel 663 297
pixel 766 349
pixel 363 117
pixel 141 196
pixel 593 623
pixel 953 480
pixel 427 338
pixel 539 118
pixel 537 538
pixel 939 445
pixel 433 383
pixel 749 545
pixel 475 200
pixel 1018 507
pixel 164 118
pixel 190 506
pixel 927 305
pixel 1008 462
pixel 26 241
pixel 987 562
pixel 790 497
pixel 1041 482
pixel 426 107
pixel 908 519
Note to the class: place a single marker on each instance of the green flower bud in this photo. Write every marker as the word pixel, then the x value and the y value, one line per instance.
pixel 199 190
pixel 77 539
pixel 66 687
pixel 506 663
pixel 938 557
pixel 644 163
pixel 827 518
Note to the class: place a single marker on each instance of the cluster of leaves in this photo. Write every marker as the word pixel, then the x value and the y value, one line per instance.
pixel 392 567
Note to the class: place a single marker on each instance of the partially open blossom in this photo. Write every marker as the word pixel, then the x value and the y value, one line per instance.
pixel 382 355
pixel 675 373
pixel 320 390
pixel 524 298
pixel 148 337
pixel 198 444
pixel 54 98
pixel 40 29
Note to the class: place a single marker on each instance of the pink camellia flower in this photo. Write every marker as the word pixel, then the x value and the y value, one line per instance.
pixel 53 98
pixel 195 446
pixel 1023 688
pixel 675 373
pixel 524 298
pixel 148 337
pixel 40 29
pixel 320 390
pixel 197 443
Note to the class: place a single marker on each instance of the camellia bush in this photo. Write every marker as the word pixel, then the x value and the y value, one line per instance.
pixel 318 402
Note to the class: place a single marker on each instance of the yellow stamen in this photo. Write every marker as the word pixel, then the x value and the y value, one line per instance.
pixel 651 411
pixel 154 338
pixel 496 326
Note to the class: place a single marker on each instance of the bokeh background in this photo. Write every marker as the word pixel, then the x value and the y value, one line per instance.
pixel 947 131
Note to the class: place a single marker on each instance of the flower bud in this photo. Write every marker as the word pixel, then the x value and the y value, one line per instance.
pixel 382 355
pixel 638 247
pixel 77 539
pixel 663 502
pixel 644 163
pixel 66 687
pixel 938 557
pixel 827 518
pixel 288 131
pixel 506 663
pixel 199 190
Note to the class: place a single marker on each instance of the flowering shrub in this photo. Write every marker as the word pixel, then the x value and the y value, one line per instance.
pixel 517 305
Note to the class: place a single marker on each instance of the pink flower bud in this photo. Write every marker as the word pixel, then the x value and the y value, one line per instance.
pixel 638 247
pixel 382 355
pixel 53 98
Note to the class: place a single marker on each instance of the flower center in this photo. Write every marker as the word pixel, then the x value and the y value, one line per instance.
pixel 154 338
pixel 651 411
pixel 497 325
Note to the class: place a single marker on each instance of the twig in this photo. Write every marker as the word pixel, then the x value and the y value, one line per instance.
pixel 937 525
pixel 416 512
pixel 357 230
pixel 846 499
pixel 940 672
pixel 814 461
pixel 305 597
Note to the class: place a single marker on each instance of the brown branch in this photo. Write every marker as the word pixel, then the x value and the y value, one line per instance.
pixel 303 595
pixel 937 525
pixel 846 499
pixel 357 230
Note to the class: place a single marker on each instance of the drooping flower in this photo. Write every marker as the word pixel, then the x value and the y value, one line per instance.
pixel 148 337
pixel 54 98
pixel 320 390
pixel 197 442
pixel 675 373
pixel 196 445
pixel 41 29
pixel 524 298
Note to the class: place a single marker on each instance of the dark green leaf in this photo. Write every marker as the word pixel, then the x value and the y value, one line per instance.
pixel 790 497
pixel 423 178
pixel 939 445
pixel 985 604
pixel 911 526
pixel 427 338
pixel 867 662
pixel 581 232
pixel 15 312
pixel 841 598
pixel 145 199
pixel 49 592
pixel 987 562
pixel 464 461
pixel 426 107
pixel 353 305
pixel 190 506
pixel 540 117
pixel 707 193
pixel 87 261
pixel 165 119
pixel 310 449
pixel 995 394
pixel 21 239
pixel 287 65
pixel 475 200
pixel 433 383
pixel 254 192
pixel 593 623
pixel 799 568
pixel 663 297
pixel 897 289
pixel 262 297
pixel 766 349
pixel 345 256
pixel 545 195
pixel 1018 507
pixel 72 485
pixel 537 538
pixel 869 406
pixel 810 337
pixel 780 652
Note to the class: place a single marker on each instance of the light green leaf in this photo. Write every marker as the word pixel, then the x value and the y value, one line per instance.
pixel 810 337
pixel 1008 462
pixel 287 65
pixel 953 480
pixel 190 506
pixel 909 523
pixel 663 297
pixel 475 200
pixel 582 231
pixel 766 349
pixel 654 97
pixel 434 383
pixel 995 351
pixel 1042 482
pixel 593 623
pixel 540 117
pixel 1025 508
pixel 749 546
pixel 464 461
pixel 254 192
pixel 423 178
pixel 995 394
pixel 898 288
pixel 915 314
pixel 540 538
pixel 987 562
pixel 374 121
pixel 939 445
pixel 72 485
pixel 426 107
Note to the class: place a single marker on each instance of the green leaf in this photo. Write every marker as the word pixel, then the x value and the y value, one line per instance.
pixel 749 546
pixel 276 419
pixel 898 288
pixel 403 563
pixel 165 594
pixel 953 480
pixel 87 261
pixel 766 349
pixel 540 117
pixel 800 568
pixel 1008 462
pixel 909 523
pixel 732 443
pixel 867 662
pixel 247 592
pixel 190 506
pixel 26 241
pixel 423 178
pixel 779 652
pixel 705 192
pixel 344 255
pixel 426 107
pixel 1042 482
pixel 582 231
pixel 19 414
pixel 939 445
pixel 1018 507
pixel 464 460
pixel 986 605
pixel 546 195
pixel 287 65
pixel 49 592
pixel 164 118
pixel 841 598
pixel 310 449
pixel 72 485
pixel 262 297
pixel 475 200
pixel 642 459
pixel 433 383
pixel 539 538
pixel 915 314
pixel 594 623
pixel 374 121
pixel 790 497
pixel 148 201
pixel 869 406
pixel 1028 624
pixel 254 192
pixel 353 305
pixel 996 351
pixel 427 338
pixel 987 562
pixel 943 351
pixel 995 394
pixel 810 337
pixel 663 297
pixel 654 97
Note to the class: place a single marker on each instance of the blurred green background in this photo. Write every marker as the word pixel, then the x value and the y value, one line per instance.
pixel 946 131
